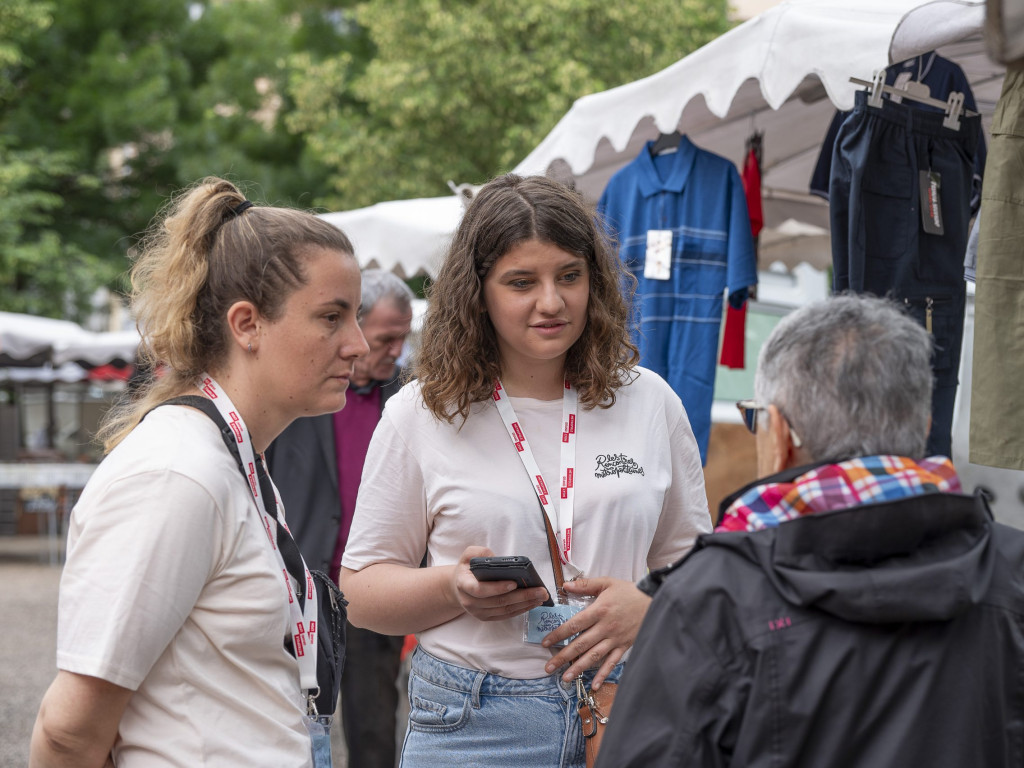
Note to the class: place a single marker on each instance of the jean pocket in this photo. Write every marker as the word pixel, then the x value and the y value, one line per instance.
pixel 889 216
pixel 435 708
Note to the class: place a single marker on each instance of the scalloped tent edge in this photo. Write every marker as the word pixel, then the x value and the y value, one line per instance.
pixel 778 73
pixel 407 237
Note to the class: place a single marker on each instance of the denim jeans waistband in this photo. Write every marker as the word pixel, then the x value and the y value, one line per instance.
pixel 480 683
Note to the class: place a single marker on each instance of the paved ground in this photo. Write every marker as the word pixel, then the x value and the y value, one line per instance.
pixel 28 643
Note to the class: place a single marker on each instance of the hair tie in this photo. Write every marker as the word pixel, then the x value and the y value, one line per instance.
pixel 241 208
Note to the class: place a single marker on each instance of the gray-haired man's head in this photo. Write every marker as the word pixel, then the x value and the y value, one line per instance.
pixel 385 315
pixel 852 376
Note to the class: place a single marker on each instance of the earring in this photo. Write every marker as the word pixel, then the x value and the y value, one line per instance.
pixel 250 347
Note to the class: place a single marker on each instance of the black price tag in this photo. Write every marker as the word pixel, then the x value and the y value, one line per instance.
pixel 931 202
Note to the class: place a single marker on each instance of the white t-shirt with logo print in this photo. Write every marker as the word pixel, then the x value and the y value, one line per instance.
pixel 431 486
pixel 171 590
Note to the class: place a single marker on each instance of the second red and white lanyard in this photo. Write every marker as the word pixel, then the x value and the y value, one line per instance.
pixel 303 626
pixel 561 517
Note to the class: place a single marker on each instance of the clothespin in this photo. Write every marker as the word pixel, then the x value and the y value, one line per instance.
pixel 954 106
pixel 876 89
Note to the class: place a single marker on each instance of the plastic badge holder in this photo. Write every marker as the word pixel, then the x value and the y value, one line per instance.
pixel 540 621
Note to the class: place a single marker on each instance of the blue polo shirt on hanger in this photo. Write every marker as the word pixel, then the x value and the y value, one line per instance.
pixel 698 196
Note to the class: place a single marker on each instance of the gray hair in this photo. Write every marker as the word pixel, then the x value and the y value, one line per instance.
pixel 852 375
pixel 378 285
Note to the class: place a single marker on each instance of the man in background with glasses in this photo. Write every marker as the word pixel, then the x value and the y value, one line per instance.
pixel 853 607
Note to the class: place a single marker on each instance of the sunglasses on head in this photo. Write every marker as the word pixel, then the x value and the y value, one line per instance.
pixel 748 412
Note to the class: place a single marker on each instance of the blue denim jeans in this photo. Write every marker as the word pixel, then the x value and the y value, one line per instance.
pixel 466 717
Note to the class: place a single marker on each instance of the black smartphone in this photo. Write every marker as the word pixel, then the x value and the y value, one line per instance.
pixel 517 568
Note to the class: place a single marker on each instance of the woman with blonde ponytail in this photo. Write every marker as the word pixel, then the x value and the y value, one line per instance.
pixel 174 609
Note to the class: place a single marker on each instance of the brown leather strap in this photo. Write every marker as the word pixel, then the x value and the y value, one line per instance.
pixel 594 710
pixel 556 559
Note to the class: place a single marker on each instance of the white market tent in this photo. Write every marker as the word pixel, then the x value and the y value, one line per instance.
pixel 42 352
pixel 97 349
pixel 27 340
pixel 783 72
pixel 407 237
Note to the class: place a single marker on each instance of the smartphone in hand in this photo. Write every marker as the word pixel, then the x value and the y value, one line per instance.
pixel 517 568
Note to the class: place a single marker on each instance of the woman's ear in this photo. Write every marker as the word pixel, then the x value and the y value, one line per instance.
pixel 244 324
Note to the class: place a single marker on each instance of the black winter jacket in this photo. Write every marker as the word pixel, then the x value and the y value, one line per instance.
pixel 889 634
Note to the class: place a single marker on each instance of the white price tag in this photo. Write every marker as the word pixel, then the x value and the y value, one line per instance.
pixel 658 263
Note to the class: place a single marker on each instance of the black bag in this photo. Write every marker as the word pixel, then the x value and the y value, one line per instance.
pixel 331 603
pixel 330 641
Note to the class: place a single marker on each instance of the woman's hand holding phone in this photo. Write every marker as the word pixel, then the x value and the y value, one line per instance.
pixel 491 600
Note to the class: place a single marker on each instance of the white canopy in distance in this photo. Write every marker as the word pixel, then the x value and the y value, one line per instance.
pixel 27 340
pixel 407 237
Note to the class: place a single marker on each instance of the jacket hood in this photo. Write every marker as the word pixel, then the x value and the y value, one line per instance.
pixel 923 558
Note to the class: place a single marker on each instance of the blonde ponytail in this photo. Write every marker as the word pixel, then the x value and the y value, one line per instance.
pixel 209 249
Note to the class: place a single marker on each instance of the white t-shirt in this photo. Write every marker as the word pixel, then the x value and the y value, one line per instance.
pixel 170 589
pixel 429 486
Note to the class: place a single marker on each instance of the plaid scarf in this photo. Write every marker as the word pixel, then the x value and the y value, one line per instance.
pixel 839 486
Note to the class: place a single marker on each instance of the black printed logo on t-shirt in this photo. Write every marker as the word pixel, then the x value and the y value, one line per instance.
pixel 617 464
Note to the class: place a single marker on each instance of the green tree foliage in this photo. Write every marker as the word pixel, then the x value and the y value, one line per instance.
pixel 33 274
pixel 462 90
pixel 109 107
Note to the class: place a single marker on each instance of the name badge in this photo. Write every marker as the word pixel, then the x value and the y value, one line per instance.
pixel 544 619
pixel 658 262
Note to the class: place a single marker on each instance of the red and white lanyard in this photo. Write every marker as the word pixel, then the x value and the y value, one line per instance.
pixel 303 619
pixel 561 519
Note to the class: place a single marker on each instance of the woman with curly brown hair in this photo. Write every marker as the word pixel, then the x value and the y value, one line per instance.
pixel 526 337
